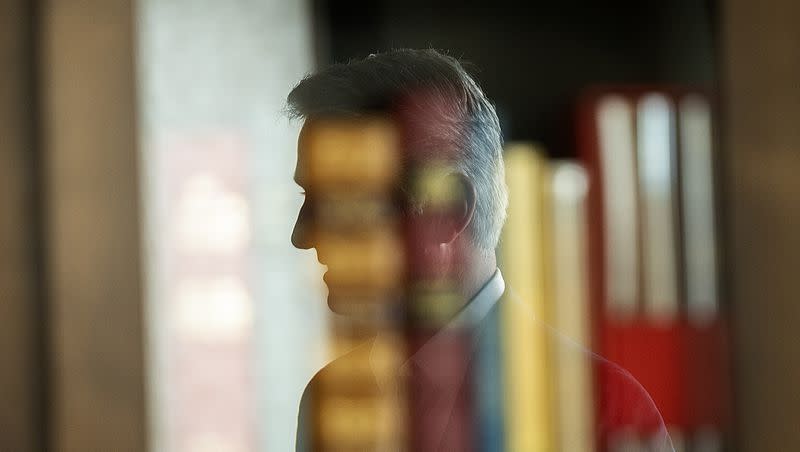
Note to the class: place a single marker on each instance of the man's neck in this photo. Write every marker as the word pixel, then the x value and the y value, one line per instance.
pixel 474 266
pixel 477 271
pixel 471 268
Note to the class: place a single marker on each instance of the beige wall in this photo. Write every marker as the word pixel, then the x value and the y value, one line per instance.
pixel 761 86
pixel 93 254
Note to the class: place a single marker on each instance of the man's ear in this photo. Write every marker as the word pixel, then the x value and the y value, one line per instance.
pixel 448 204
pixel 463 209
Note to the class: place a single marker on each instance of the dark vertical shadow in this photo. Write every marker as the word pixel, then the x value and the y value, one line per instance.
pixel 40 327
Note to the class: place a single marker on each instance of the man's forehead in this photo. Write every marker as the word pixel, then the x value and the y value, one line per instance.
pixel 335 150
pixel 357 128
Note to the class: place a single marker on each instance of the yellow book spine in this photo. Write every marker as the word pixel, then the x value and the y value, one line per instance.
pixel 528 401
pixel 570 306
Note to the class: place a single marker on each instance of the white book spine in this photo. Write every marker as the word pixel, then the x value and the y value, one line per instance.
pixel 615 124
pixel 696 144
pixel 656 151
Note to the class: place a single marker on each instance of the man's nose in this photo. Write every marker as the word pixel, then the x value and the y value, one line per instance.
pixel 301 237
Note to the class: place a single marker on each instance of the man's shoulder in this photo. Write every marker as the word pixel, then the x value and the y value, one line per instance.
pixel 615 382
pixel 621 401
pixel 354 365
pixel 345 375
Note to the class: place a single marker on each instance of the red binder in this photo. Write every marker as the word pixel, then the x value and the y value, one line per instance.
pixel 645 308
pixel 707 359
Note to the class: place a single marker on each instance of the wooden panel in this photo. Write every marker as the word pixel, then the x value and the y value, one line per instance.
pixel 761 84
pixel 93 228
pixel 19 352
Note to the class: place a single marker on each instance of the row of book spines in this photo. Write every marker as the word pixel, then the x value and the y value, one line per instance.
pixel 539 412
pixel 652 236
pixel 650 156
pixel 558 200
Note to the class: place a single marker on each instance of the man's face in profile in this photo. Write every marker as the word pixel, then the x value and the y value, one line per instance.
pixel 349 171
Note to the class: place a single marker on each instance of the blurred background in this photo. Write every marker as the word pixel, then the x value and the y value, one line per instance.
pixel 150 298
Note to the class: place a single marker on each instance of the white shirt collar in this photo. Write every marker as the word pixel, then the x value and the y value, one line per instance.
pixel 470 316
pixel 479 306
pixel 464 322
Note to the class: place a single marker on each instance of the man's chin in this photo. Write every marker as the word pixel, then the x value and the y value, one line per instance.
pixel 355 303
pixel 344 304
pixel 336 304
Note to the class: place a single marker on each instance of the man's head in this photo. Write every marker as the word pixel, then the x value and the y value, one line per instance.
pixel 440 114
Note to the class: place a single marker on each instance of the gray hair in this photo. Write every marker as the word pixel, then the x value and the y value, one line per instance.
pixel 459 118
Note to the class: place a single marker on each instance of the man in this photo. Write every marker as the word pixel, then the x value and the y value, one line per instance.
pixel 411 129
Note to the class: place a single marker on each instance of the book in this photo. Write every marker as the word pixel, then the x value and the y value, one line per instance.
pixel 653 257
pixel 707 358
pixel 567 189
pixel 625 141
pixel 660 332
pixel 526 366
